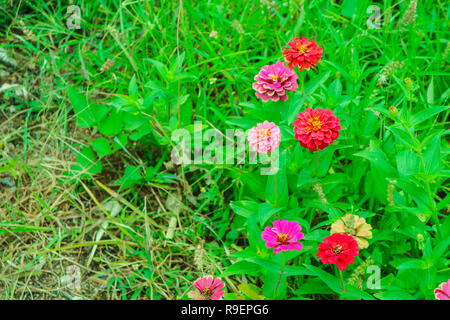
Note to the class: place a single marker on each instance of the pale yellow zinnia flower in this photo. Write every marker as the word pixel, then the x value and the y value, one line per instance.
pixel 354 226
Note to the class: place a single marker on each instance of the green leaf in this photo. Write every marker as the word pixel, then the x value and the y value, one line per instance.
pixel 112 125
pixel 277 192
pixel 331 281
pixel 412 264
pixel 408 163
pixel 265 212
pixel 251 291
pixel 334 284
pixel 133 88
pixel 244 208
pixel 430 92
pixel 120 141
pixel 85 117
pixel 394 295
pixel 378 160
pixel 426 114
pixel 242 267
pixel 432 156
pixel 101 146
pixel 272 281
pixel 86 158
pixel 131 176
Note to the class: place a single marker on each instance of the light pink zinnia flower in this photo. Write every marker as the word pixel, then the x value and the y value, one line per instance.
pixel 443 291
pixel 283 236
pixel 208 288
pixel 265 137
pixel 272 82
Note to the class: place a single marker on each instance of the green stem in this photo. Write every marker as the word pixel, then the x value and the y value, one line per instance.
pixel 281 275
pixel 315 166
pixel 342 280
pixel 275 186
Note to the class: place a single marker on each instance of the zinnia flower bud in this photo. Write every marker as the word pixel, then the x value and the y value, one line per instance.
pixel 393 111
pixel 408 83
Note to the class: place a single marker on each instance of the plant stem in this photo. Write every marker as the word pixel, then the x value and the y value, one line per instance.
pixel 281 275
pixel 342 280
pixel 427 184
pixel 275 185
pixel 315 166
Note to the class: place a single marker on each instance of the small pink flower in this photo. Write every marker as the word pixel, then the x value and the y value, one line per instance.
pixel 208 288
pixel 283 236
pixel 443 291
pixel 265 137
pixel 272 82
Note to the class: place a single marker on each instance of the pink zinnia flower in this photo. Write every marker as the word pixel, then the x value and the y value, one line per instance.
pixel 302 53
pixel 443 291
pixel 316 129
pixel 208 288
pixel 273 81
pixel 283 236
pixel 265 137
pixel 339 249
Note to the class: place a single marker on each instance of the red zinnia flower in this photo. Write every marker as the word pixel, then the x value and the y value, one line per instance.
pixel 302 53
pixel 316 129
pixel 339 249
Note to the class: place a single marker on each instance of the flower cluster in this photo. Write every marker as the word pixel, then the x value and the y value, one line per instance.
pixel 314 129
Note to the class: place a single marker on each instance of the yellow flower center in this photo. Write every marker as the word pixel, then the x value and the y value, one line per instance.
pixel 337 249
pixel 301 48
pixel 274 77
pixel 283 238
pixel 207 293
pixel 263 132
pixel 314 124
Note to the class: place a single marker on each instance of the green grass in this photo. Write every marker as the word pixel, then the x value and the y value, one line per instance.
pixel 88 150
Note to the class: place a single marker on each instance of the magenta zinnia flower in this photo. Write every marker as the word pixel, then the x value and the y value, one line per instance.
pixel 443 291
pixel 265 137
pixel 273 81
pixel 208 288
pixel 283 236
pixel 316 129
